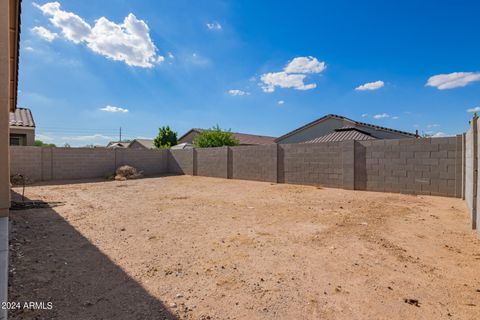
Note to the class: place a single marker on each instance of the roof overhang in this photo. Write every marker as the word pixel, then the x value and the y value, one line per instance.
pixel 14 46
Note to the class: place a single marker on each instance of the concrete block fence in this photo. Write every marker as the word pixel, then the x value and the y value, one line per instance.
pixel 431 166
pixel 48 164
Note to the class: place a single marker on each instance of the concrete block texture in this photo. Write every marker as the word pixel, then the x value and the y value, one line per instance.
pixel 254 163
pixel 181 161
pixel 45 164
pixel 435 166
pixel 313 164
pixel 418 166
pixel 212 162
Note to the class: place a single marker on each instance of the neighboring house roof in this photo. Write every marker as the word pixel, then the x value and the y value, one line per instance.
pixel 181 146
pixel 334 116
pixel 243 138
pixel 14 14
pixel 22 117
pixel 118 144
pixel 343 134
pixel 147 143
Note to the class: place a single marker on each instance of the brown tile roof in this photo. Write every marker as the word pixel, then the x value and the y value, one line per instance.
pixel 243 138
pixel 334 116
pixel 344 134
pixel 22 117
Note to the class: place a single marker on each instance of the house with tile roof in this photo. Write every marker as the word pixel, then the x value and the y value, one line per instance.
pixel 22 127
pixel 131 144
pixel 339 128
pixel 244 138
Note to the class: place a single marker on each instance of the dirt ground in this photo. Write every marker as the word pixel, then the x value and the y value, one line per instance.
pixel 205 248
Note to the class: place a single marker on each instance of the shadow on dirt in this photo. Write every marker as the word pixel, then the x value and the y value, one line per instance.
pixel 50 261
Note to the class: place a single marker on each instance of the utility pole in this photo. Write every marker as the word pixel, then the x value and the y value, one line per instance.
pixel 120 135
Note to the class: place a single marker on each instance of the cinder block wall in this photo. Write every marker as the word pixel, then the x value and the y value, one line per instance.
pixel 26 161
pixel 212 162
pixel 151 162
pixel 258 163
pixel 417 166
pixel 45 164
pixel 81 163
pixel 312 164
pixel 180 161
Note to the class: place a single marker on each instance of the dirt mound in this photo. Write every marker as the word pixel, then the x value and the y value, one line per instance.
pixel 127 173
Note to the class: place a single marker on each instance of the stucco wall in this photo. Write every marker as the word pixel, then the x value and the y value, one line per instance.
pixel 470 167
pixel 28 132
pixel 4 109
pixel 475 219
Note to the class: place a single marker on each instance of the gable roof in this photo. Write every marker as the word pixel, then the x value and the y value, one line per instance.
pixel 147 143
pixel 344 134
pixel 22 117
pixel 118 144
pixel 334 116
pixel 243 138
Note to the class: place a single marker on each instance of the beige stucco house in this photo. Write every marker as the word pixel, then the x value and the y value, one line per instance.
pixel 9 47
pixel 22 128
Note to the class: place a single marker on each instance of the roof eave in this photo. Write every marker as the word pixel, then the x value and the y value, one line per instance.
pixel 14 51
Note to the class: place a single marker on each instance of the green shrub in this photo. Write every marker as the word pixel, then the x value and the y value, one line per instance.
pixel 166 138
pixel 215 137
pixel 40 143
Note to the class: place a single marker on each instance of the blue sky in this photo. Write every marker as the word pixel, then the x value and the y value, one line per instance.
pixel 264 67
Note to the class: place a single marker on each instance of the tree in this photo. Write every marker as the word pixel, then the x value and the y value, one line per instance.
pixel 215 137
pixel 166 138
pixel 40 143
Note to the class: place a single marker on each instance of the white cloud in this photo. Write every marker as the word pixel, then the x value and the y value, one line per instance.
pixel 434 134
pixel 371 86
pixel 433 125
pixel 439 134
pixel 475 109
pixel 73 27
pixel 395 117
pixel 129 42
pixel 364 115
pixel 293 75
pixel 236 92
pixel 113 109
pixel 284 80
pixel 44 33
pixel 381 116
pixel 214 26
pixel 453 80
pixel 29 49
pixel 280 102
pixel 91 138
pixel 305 65
pixel 44 137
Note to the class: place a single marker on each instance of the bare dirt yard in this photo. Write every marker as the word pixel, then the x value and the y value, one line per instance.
pixel 205 248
